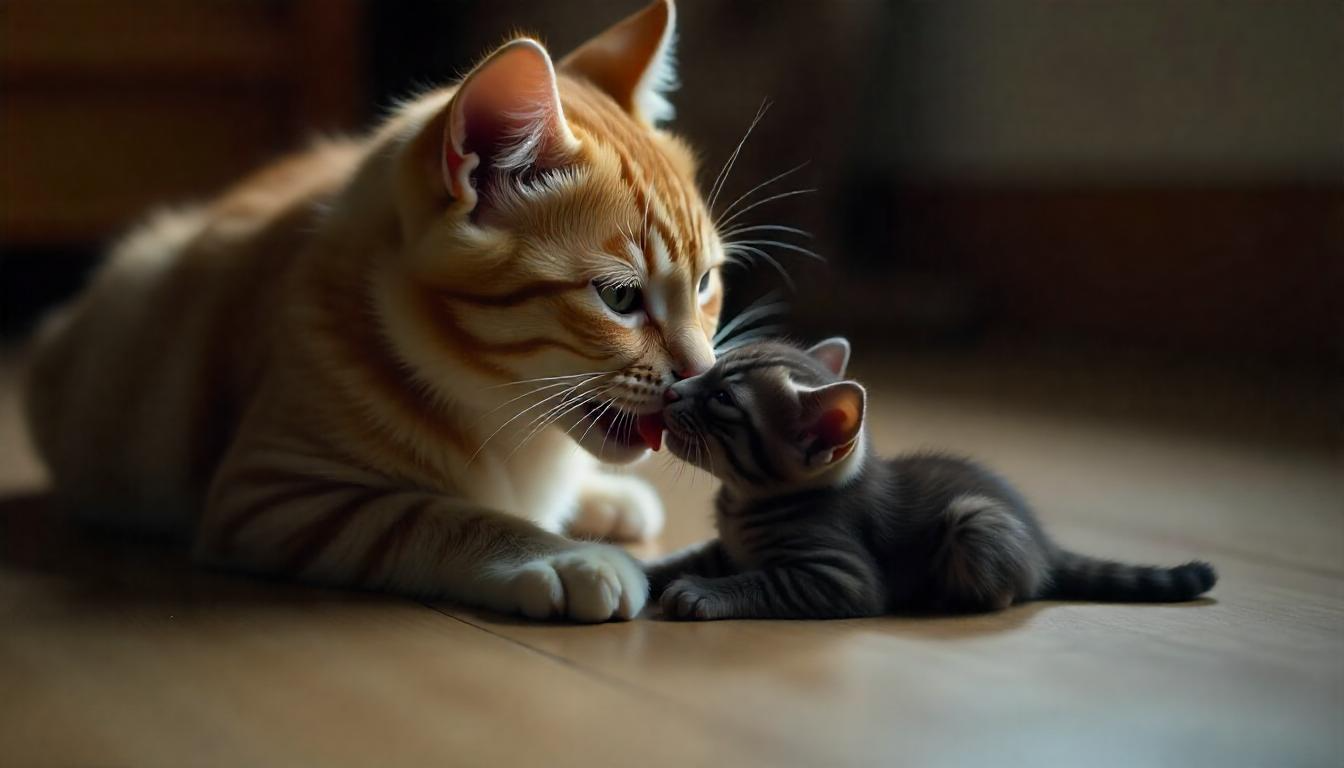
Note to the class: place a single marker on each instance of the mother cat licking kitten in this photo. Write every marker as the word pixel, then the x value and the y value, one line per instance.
pixel 813 525
pixel 368 364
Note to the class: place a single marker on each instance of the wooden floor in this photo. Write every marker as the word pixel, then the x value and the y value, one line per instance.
pixel 117 654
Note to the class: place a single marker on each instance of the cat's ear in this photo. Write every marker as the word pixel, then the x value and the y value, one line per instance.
pixel 832 419
pixel 505 117
pixel 633 62
pixel 832 353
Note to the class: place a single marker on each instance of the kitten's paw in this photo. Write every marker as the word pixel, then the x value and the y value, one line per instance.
pixel 617 508
pixel 589 583
pixel 686 600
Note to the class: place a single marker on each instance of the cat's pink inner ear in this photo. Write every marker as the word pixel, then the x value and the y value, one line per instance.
pixel 506 116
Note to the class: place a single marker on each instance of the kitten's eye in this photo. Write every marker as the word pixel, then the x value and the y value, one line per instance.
pixel 623 299
pixel 723 397
pixel 704 283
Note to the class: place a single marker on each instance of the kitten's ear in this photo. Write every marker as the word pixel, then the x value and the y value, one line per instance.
pixel 633 62
pixel 833 416
pixel 505 117
pixel 832 353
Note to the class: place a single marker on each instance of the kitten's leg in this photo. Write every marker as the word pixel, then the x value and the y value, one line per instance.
pixel 987 558
pixel 704 559
pixel 831 588
pixel 617 508
pixel 328 524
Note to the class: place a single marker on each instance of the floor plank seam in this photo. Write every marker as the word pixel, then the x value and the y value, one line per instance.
pixel 570 663
pixel 601 677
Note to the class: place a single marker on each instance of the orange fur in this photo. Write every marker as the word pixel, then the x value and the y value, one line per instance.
pixel 318 373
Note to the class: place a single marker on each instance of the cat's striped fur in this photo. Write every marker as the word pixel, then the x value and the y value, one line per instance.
pixel 812 524
pixel 369 364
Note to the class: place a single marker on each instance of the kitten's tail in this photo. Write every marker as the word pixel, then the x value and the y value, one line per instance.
pixel 1079 577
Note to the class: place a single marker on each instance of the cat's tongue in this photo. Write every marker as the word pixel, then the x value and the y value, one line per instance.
pixel 650 427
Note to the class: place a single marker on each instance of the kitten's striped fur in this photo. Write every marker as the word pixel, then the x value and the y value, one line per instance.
pixel 368 364
pixel 813 525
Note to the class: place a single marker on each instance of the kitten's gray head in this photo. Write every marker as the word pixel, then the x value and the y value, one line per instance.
pixel 768 415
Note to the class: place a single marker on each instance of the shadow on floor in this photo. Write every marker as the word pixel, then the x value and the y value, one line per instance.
pixel 96 570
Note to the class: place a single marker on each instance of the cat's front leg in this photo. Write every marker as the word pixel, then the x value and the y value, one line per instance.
pixel 798 591
pixel 704 559
pixel 339 527
pixel 616 508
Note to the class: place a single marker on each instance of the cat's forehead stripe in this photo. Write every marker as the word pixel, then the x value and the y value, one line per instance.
pixel 661 198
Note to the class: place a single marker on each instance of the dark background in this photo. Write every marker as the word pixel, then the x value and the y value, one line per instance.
pixel 1141 180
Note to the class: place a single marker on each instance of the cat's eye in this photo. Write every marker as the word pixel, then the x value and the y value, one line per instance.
pixel 623 299
pixel 704 284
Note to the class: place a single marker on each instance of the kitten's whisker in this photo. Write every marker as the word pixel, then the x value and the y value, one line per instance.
pixel 759 203
pixel 708 454
pixel 756 188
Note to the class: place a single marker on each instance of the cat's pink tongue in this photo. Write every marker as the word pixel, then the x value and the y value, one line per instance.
pixel 650 427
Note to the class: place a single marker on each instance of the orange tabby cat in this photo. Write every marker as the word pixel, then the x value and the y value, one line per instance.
pixel 369 364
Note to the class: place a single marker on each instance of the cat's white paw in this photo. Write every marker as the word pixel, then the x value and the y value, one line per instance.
pixel 617 508
pixel 588 583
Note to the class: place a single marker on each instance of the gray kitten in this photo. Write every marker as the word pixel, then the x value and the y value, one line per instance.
pixel 813 525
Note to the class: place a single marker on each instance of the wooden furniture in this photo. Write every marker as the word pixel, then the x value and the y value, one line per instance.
pixel 110 108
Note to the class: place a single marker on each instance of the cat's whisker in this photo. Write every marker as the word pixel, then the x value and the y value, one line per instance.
pixel 554 415
pixel 577 396
pixel 596 416
pixel 751 250
pixel 778 244
pixel 576 391
pixel 764 332
pixel 727 234
pixel 759 203
pixel 722 178
pixel 510 401
pixel 520 414
pixel 755 189
pixel 544 378
pixel 754 311
pixel 629 426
